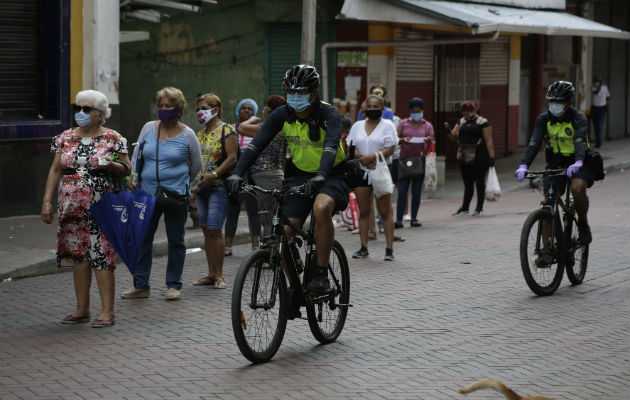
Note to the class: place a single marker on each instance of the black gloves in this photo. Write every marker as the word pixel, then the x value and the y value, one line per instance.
pixel 447 127
pixel 234 183
pixel 491 162
pixel 313 185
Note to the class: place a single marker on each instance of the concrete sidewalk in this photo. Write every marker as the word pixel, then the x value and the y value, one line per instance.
pixel 27 245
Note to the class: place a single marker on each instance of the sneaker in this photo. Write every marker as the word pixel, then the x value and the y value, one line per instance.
pixel 585 233
pixel 478 213
pixel 362 253
pixel 398 225
pixel 319 280
pixel 460 212
pixel 135 293
pixel 415 223
pixel 172 294
pixel 228 251
pixel 407 217
pixel 389 255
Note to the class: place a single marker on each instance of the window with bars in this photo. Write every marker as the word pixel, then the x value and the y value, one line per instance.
pixel 460 81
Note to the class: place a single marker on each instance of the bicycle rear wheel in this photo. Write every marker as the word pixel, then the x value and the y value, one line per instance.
pixel 577 255
pixel 542 263
pixel 259 328
pixel 327 318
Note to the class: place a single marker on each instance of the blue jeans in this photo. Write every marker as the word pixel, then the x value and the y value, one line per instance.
pixel 598 115
pixel 212 205
pixel 416 192
pixel 174 222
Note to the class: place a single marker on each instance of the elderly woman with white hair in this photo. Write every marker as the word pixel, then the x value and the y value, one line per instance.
pixel 80 173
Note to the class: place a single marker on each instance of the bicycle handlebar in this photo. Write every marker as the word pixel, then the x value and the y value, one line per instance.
pixel 546 173
pixel 277 193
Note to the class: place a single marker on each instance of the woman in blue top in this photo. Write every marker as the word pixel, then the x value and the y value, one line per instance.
pixel 178 161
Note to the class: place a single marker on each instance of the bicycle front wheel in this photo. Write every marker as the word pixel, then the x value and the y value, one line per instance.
pixel 577 254
pixel 259 308
pixel 541 257
pixel 327 318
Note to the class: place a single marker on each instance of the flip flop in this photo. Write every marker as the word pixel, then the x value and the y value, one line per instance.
pixel 103 323
pixel 71 319
pixel 205 281
pixel 399 239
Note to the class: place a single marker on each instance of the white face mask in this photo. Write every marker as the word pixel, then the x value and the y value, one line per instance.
pixel 556 109
pixel 206 115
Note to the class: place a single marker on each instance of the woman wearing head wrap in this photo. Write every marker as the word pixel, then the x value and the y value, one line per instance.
pixel 245 109
pixel 475 153
pixel 415 133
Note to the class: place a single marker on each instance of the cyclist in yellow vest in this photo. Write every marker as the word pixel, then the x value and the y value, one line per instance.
pixel 313 132
pixel 564 130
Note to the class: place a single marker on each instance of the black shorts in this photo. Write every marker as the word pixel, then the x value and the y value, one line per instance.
pixel 300 206
pixel 560 182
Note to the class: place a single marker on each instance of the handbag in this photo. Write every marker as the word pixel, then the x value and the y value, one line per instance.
pixel 164 198
pixel 411 167
pixel 381 178
pixel 467 152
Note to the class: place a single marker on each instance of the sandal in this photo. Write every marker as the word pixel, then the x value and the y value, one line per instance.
pixel 103 323
pixel 399 239
pixel 227 252
pixel 220 284
pixel 71 319
pixel 205 281
pixel 372 236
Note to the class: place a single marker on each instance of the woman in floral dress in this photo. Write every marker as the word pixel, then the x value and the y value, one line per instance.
pixel 81 173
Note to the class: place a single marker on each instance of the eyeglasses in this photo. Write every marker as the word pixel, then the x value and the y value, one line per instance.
pixel 85 109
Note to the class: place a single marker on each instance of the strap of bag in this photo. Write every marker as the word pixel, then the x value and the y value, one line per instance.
pixel 140 160
pixel 157 156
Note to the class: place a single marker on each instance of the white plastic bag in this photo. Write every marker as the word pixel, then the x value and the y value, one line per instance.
pixel 493 190
pixel 430 170
pixel 380 178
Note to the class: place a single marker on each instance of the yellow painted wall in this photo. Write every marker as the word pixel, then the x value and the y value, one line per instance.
pixel 76 48
pixel 380 31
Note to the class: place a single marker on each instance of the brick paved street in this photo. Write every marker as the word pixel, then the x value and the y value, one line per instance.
pixel 453 308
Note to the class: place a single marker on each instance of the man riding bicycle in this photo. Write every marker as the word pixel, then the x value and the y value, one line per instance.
pixel 313 132
pixel 564 130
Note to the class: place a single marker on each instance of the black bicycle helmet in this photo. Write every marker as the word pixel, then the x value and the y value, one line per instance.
pixel 560 91
pixel 301 78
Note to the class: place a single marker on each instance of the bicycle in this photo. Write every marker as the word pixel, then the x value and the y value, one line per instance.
pixel 268 289
pixel 550 241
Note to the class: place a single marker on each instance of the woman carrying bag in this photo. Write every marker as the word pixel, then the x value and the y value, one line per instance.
pixel 374 140
pixel 415 135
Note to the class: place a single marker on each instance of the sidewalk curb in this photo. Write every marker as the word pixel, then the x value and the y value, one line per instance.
pixel 194 238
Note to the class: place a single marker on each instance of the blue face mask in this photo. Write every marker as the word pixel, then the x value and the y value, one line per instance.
pixel 556 109
pixel 417 116
pixel 298 102
pixel 82 118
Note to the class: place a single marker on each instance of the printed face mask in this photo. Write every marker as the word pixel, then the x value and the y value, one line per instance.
pixel 417 116
pixel 299 102
pixel 556 109
pixel 82 118
pixel 206 115
pixel 166 115
pixel 373 114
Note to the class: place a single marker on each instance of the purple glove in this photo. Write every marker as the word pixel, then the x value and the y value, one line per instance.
pixel 520 172
pixel 574 168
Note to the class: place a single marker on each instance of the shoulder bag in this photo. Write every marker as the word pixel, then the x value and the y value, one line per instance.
pixel 411 167
pixel 164 198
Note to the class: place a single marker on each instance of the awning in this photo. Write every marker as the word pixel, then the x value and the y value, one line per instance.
pixel 480 18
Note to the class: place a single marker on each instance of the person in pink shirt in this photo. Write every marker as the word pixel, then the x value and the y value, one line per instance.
pixel 415 133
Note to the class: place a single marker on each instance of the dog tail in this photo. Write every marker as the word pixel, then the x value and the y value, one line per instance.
pixel 492 384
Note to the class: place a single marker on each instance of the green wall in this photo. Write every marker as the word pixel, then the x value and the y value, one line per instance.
pixel 220 50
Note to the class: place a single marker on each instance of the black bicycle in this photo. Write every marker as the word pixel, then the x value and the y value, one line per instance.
pixel 550 241
pixel 269 287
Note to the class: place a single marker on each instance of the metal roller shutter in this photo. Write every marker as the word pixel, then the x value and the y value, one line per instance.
pixel 414 62
pixel 283 51
pixel 20 91
pixel 494 62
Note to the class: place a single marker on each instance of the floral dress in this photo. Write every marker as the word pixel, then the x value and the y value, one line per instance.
pixel 79 237
pixel 212 151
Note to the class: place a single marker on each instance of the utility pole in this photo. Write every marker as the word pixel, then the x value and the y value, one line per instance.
pixel 309 14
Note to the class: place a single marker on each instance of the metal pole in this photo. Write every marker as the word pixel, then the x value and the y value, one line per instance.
pixel 309 14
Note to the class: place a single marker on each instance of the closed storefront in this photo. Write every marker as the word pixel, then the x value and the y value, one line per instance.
pixel 414 73
pixel 493 82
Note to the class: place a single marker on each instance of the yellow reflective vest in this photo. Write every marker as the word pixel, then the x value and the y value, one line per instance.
pixel 561 136
pixel 306 154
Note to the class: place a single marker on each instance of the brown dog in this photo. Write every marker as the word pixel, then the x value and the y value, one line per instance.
pixel 499 387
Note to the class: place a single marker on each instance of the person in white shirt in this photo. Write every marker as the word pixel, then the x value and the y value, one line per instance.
pixel 599 107
pixel 369 137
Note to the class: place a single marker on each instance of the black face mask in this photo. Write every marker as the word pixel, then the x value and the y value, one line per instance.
pixel 373 114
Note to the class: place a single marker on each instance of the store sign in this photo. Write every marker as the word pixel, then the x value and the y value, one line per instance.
pixel 352 59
